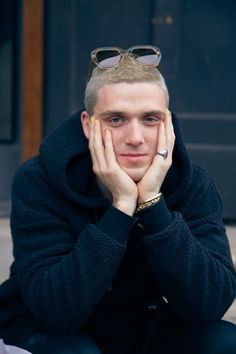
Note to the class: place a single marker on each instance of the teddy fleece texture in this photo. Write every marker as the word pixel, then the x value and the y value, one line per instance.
pixel 79 263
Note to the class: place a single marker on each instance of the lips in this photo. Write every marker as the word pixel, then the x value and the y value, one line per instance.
pixel 135 157
pixel 134 154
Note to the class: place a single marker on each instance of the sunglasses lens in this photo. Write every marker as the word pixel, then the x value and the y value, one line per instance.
pixel 147 56
pixel 108 58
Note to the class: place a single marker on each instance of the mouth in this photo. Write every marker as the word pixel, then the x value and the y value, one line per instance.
pixel 134 156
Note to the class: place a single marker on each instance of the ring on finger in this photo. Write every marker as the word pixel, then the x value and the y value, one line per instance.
pixel 163 153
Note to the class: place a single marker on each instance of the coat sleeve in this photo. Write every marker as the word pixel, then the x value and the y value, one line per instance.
pixel 191 259
pixel 62 275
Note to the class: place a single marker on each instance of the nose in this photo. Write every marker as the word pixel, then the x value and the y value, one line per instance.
pixel 134 134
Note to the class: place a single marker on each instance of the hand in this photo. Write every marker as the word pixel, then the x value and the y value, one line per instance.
pixel 123 189
pixel 150 184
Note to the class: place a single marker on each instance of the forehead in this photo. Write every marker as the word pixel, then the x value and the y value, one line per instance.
pixel 146 95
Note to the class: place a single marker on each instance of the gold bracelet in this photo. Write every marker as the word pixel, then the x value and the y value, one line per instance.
pixel 149 202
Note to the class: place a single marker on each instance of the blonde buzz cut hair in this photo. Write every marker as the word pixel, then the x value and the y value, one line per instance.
pixel 128 71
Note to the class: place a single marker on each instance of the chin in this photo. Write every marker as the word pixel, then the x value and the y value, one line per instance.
pixel 136 176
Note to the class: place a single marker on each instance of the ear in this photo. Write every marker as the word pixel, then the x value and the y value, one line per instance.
pixel 85 120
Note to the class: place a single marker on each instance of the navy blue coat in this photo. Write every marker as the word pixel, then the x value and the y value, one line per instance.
pixel 82 264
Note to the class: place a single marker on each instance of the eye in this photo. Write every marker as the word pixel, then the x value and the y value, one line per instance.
pixel 116 121
pixel 152 120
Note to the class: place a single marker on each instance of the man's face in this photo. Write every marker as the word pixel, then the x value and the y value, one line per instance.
pixel 132 112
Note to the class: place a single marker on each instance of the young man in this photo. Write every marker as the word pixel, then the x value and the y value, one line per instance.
pixel 118 241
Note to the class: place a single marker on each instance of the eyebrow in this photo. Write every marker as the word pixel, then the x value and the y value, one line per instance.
pixel 156 112
pixel 108 113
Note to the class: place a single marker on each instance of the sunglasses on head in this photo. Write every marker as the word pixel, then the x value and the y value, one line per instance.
pixel 109 57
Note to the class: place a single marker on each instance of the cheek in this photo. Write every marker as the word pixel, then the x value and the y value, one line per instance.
pixel 152 140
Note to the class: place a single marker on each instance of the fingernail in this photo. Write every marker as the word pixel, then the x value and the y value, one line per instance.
pixel 93 120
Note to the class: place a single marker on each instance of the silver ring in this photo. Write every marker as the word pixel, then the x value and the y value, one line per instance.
pixel 163 153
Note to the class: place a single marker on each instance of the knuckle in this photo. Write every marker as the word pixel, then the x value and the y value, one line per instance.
pixel 109 172
pixel 95 170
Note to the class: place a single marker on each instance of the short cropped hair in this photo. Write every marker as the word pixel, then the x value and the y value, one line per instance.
pixel 128 71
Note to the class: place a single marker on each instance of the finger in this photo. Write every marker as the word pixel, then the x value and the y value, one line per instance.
pixel 98 145
pixel 109 149
pixel 170 135
pixel 161 143
pixel 91 134
pixel 91 143
pixel 162 150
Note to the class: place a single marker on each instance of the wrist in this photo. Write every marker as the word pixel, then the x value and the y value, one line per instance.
pixel 149 203
pixel 127 207
pixel 147 196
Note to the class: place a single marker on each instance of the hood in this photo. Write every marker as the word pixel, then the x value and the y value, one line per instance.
pixel 179 176
pixel 66 161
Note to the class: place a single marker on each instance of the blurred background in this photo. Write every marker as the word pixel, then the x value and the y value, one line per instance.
pixel 44 55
